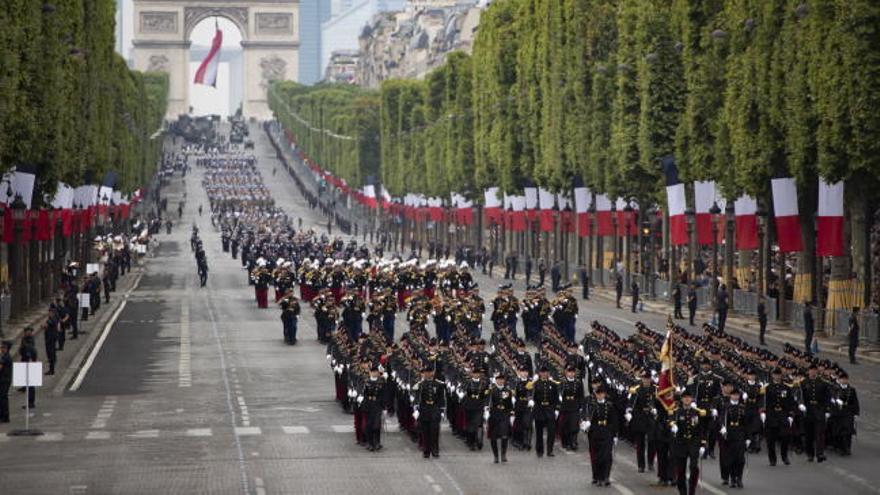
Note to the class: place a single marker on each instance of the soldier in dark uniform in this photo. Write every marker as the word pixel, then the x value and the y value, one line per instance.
pixel 663 440
pixel 353 309
pixel 762 319
pixel 522 424
pixel 27 352
pixel 676 299
pixel 571 409
pixel 375 395
pixel 545 393
pixel 289 318
pixel 500 416
pixel 778 416
pixel 706 390
pixel 692 303
pixel 853 335
pixel 523 359
pixel 816 395
pixel 5 379
pixel 601 426
pixel 430 407
pixel 688 444
pixel 843 418
pixel 50 337
pixel 751 400
pixel 476 393
pixel 641 415
pixel 734 440
pixel 585 282
pixel 618 289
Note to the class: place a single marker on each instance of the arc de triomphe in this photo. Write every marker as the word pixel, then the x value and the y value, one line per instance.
pixel 270 44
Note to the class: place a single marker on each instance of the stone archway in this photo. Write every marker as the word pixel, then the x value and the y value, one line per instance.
pixel 270 44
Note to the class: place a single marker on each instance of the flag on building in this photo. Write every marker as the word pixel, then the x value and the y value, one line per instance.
pixel 785 206
pixel 829 221
pixel 207 71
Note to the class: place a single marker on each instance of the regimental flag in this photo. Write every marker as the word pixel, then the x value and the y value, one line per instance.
pixel 829 221
pixel 788 226
pixel 582 208
pixel 666 380
pixel 492 208
pixel 207 71
pixel 746 210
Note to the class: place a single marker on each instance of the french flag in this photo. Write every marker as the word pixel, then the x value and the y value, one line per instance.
pixel 531 194
pixel 546 202
pixel 746 210
pixel 494 214
pixel 626 220
pixel 704 197
pixel 788 227
pixel 582 208
pixel 207 71
pixel 518 218
pixel 675 200
pixel 463 209
pixel 829 222
pixel 435 209
pixel 566 216
pixel 603 215
pixel 370 196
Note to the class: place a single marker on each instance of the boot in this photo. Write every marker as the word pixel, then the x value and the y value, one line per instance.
pixel 495 449
pixel 503 450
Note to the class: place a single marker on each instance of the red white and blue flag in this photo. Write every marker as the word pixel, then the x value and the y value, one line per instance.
pixel 207 72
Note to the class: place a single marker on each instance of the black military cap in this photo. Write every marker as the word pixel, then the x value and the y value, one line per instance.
pixel 687 393
pixel 735 391
pixel 726 382
pixel 544 369
pixel 374 368
pixel 601 390
pixel 646 374
pixel 500 376
pixel 426 368
pixel 570 368
pixel 813 366
pixel 776 371
pixel 522 368
pixel 843 374
pixel 7 344
pixel 433 341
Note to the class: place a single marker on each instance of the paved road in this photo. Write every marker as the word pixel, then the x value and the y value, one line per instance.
pixel 193 391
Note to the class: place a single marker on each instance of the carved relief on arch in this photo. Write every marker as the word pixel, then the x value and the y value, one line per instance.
pixel 158 63
pixel 194 15
pixel 272 68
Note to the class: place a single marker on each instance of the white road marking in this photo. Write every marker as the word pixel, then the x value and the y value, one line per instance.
pixel 437 488
pixel 184 367
pixel 104 333
pixel 260 487
pixel 290 430
pixel 248 430
pixel 620 488
pixel 98 435
pixel 104 413
pixel 429 478
pixel 78 489
pixel 199 432
pixel 865 484
pixel 49 437
pixel 342 428
pixel 145 434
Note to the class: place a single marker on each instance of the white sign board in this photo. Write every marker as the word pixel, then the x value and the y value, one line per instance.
pixel 92 268
pixel 85 300
pixel 27 374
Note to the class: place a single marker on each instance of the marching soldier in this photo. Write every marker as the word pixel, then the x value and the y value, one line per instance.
pixel 601 427
pixel 733 440
pixel 476 392
pixel 706 389
pixel 640 416
pixel 846 410
pixel 688 443
pixel 545 393
pixel 430 407
pixel 289 316
pixel 352 314
pixel 522 424
pixel 5 379
pixel 816 395
pixel 778 416
pixel 571 408
pixel 374 397
pixel 499 414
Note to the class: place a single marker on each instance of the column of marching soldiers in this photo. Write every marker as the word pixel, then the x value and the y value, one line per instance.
pixel 729 397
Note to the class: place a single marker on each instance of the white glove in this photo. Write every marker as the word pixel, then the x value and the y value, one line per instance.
pixel 513 399
pixel 442 416
pixel 535 377
pixel 328 357
pixel 360 399
pixel 702 451
pixel 827 415
pixel 714 413
pixel 723 430
pixel 615 440
pixel 393 374
pixel 486 415
pixel 763 417
pixel 653 411
pixel 748 442
pixel 628 417
pixel 460 395
pixel 840 402
pixel 790 421
pixel 556 413
pixel 512 419
pixel 585 425
pixel 531 403
pixel 416 414
pixel 693 405
pixel 745 396
pixel 802 408
pixel 673 428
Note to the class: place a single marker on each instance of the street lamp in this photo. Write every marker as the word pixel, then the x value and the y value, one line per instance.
pixel 762 252
pixel 627 218
pixel 17 267
pixel 715 211
pixel 591 219
pixel 690 216
pixel 615 241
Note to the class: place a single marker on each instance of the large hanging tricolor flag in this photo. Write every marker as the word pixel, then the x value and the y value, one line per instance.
pixel 746 210
pixel 604 226
pixel 207 72
pixel 666 380
pixel 704 196
pixel 531 194
pixel 829 221
pixel 546 201
pixel 582 207
pixel 492 207
pixel 675 202
pixel 785 206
